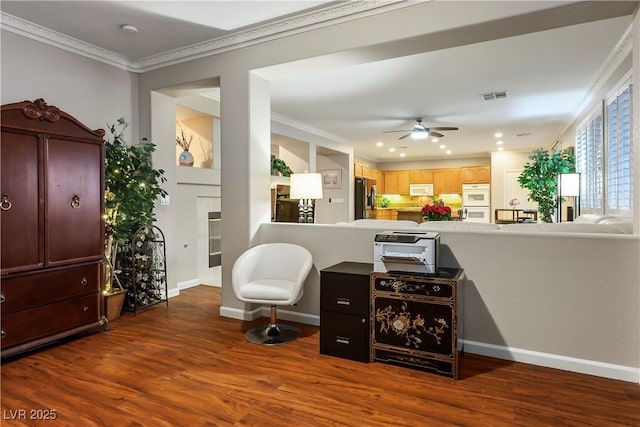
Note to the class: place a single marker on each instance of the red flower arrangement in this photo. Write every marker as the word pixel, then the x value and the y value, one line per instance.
pixel 436 212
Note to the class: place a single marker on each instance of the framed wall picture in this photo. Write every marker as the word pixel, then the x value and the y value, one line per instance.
pixel 332 178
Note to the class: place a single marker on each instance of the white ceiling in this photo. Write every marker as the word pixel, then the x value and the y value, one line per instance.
pixel 546 74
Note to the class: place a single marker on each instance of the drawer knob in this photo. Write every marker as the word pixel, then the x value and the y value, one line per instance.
pixel 2 333
pixel 84 281
pixel 2 297
pixel 85 308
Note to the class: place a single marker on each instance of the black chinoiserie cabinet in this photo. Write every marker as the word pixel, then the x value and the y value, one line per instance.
pixel 344 310
pixel 414 320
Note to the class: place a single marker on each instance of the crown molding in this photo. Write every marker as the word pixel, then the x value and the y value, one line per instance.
pixel 53 38
pixel 331 15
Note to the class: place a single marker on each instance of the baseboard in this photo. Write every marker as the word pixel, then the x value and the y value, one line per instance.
pixel 265 311
pixel 294 316
pixel 188 284
pixel 582 366
pixel 240 314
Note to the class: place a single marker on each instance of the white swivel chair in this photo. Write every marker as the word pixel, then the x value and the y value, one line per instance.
pixel 271 273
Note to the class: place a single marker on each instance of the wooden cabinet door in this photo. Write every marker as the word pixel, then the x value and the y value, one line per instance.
pixel 73 201
pixel 447 181
pixel 403 182
pixel 439 181
pixel 426 176
pixel 380 187
pixel 391 182
pixel 358 170
pixel 366 171
pixel 469 175
pixel 415 176
pixel 483 175
pixel 454 181
pixel 20 206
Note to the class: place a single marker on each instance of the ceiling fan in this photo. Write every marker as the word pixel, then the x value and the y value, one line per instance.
pixel 420 131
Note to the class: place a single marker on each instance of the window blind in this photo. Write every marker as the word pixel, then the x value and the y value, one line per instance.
pixel 620 152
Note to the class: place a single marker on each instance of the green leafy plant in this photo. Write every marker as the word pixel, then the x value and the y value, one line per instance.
pixel 132 185
pixel 279 165
pixel 540 177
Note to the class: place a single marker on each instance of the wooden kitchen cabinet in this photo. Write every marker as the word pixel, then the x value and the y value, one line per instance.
pixel 357 170
pixel 385 213
pixel 421 176
pixel 366 171
pixel 447 181
pixel 391 182
pixel 426 176
pixel 403 182
pixel 476 175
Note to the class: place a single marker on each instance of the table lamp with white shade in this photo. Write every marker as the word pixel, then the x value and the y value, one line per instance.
pixel 569 186
pixel 306 187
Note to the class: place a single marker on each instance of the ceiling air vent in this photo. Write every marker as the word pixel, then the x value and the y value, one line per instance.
pixel 493 95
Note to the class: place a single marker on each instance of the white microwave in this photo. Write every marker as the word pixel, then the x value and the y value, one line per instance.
pixel 421 189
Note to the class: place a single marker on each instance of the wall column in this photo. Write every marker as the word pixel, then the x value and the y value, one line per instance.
pixel 245 170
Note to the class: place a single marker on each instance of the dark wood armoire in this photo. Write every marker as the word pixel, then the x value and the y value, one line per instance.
pixel 51 226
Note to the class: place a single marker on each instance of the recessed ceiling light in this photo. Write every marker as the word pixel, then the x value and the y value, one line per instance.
pixel 443 146
pixel 391 150
pixel 379 144
pixel 129 29
pixel 500 148
pixel 401 154
pixel 448 151
pixel 498 135
pixel 435 140
pixel 499 142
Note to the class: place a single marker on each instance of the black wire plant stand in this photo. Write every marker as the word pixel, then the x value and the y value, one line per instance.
pixel 142 269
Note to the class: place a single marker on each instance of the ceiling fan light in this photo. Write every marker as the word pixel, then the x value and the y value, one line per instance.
pixel 416 134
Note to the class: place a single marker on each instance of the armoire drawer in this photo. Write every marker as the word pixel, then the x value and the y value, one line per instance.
pixel 28 325
pixel 31 290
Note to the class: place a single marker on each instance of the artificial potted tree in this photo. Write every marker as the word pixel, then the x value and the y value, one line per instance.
pixel 540 177
pixel 132 187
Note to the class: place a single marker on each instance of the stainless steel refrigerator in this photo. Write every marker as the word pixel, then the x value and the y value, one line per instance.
pixel 365 194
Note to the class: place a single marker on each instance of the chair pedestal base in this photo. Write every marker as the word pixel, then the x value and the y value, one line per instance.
pixel 273 334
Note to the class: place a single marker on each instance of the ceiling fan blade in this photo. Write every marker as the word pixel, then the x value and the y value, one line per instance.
pixel 404 136
pixel 392 131
pixel 436 134
pixel 443 128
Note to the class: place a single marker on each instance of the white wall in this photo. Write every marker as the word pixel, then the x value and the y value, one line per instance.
pixel 504 164
pixel 565 300
pixel 95 93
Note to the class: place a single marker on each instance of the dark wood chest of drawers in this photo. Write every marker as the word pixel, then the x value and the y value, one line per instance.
pixel 344 310
pixel 414 320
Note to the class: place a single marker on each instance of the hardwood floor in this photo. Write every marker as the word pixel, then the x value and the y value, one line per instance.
pixel 186 366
